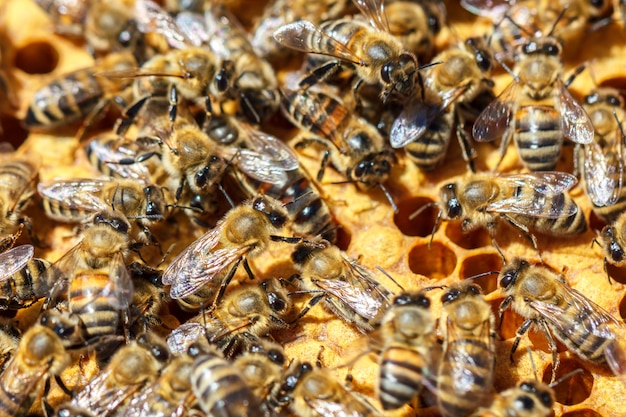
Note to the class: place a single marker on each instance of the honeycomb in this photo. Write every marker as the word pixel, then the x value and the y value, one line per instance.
pixel 370 230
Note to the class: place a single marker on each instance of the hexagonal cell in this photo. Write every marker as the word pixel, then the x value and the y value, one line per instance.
pixel 616 273
pixel 479 264
pixel 475 239
pixel 38 57
pixel 343 238
pixel 584 412
pixel 622 307
pixel 435 262
pixel 576 388
pixel 12 131
pixel 595 222
pixel 420 224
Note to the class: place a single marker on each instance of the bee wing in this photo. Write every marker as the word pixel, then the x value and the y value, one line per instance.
pixel 327 407
pixel 266 158
pixel 497 118
pixel 14 260
pixel 115 154
pixel 374 10
pixel 417 116
pixel 193 26
pixel 546 184
pixel 603 175
pixel 360 290
pixel 493 9
pixel 221 24
pixel 180 338
pixel 199 263
pixel 75 193
pixel 120 282
pixel 577 125
pixel 294 35
pixel 152 18
pixel 100 397
pixel 59 273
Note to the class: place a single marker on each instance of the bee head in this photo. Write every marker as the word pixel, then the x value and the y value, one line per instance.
pixel 544 396
pixel 450 201
pixel 509 275
pixel 417 299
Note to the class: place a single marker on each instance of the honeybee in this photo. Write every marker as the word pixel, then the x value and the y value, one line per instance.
pixel 9 340
pixel 355 147
pixel 132 367
pixel 527 399
pixel 39 356
pixel 532 202
pixel 451 91
pixel 612 240
pixel 466 370
pixel 79 94
pixel 92 277
pixel 17 179
pixel 243 76
pixel 603 159
pixel 219 386
pixel 545 300
pixel 314 392
pixel 378 57
pixel 22 278
pixel 536 109
pixel 150 296
pixel 76 200
pixel 279 12
pixel 405 342
pixel 349 290
pixel 244 232
pixel 241 317
pixel 169 395
pixel 416 24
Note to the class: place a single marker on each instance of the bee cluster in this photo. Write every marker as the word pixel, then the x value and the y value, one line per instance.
pixel 192 223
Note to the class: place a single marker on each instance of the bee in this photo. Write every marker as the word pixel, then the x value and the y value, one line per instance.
pixel 9 341
pixel 150 296
pixel 279 12
pixel 241 317
pixel 378 57
pixel 22 278
pixel 405 342
pixel 416 24
pixel 17 178
pixel 169 395
pixel 131 368
pixel 612 240
pixel 353 146
pixel 80 94
pixel 244 232
pixel 92 278
pixel 243 75
pixel 527 399
pixel 467 367
pixel 536 109
pixel 219 386
pixel 313 392
pixel 545 300
pixel 602 160
pixel 532 202
pixel 452 90
pixel 349 290
pixel 40 355
pixel 78 199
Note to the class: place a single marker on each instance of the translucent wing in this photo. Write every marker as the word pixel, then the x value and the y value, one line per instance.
pixel 119 156
pixel 121 283
pixel 193 26
pixel 183 336
pixel 577 125
pixel 304 36
pixel 76 193
pixel 545 185
pixel 14 260
pixel 151 18
pixel 374 10
pixel 493 9
pixel 497 118
pixel 60 273
pixel 198 264
pixel 414 120
pixel 221 24
pixel 603 175
pixel 360 291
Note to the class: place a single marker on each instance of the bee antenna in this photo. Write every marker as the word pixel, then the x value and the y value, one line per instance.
pixel 166 254
pixel 196 209
pixel 483 274
pixel 532 363
pixel 226 196
pixel 565 377
pixel 506 68
pixel 421 209
pixel 393 204
pixel 517 25
pixel 385 273
pixel 435 227
pixel 559 17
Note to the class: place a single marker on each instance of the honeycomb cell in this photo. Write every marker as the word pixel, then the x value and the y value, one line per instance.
pixel 343 238
pixel 595 223
pixel 435 262
pixel 479 264
pixel 585 412
pixel 38 57
pixel 475 239
pixel 616 273
pixel 575 388
pixel 12 131
pixel 420 225
pixel 622 307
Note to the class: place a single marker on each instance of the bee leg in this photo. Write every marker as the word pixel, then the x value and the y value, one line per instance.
pixel 495 245
pixel 319 74
pixel 224 76
pixel 173 103
pixel 503 306
pixel 226 281
pixel 606 270
pixel 310 304
pixel 325 158
pixel 518 336
pixel 129 115
pixel 553 349
pixel 467 150
pixel 504 145
pixel 525 231
pixel 319 362
pixel 575 74
pixel 95 115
